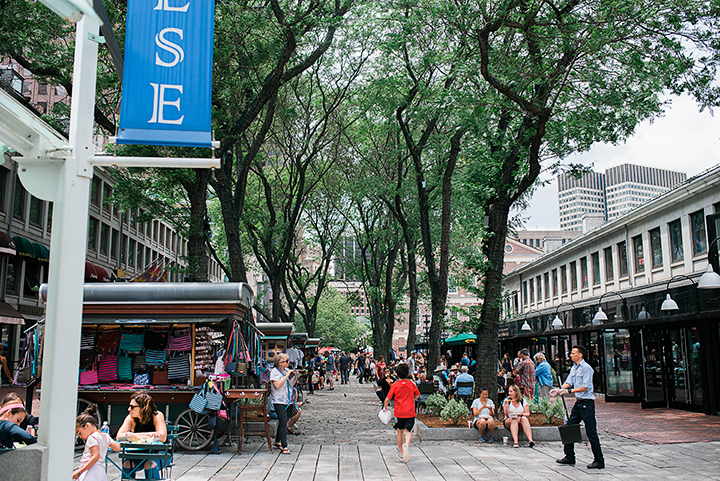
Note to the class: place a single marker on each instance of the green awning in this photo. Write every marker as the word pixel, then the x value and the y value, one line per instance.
pixel 461 340
pixel 42 253
pixel 24 247
pixel 273 338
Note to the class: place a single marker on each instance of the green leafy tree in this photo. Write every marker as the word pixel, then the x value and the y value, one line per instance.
pixel 335 326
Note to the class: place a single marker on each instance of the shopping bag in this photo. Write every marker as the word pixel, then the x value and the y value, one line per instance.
pixel 214 399
pixel 385 415
pixel 199 400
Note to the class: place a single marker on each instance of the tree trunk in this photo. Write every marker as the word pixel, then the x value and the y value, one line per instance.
pixel 197 269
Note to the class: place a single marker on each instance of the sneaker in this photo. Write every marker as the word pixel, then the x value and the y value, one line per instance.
pixel 490 440
pixel 482 439
pixel 406 453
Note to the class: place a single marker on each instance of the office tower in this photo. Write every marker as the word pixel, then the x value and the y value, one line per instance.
pixel 629 186
pixel 579 196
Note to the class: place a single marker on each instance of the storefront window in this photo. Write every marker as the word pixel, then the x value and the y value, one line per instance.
pixel 699 239
pixel 622 259
pixel 656 245
pixel 596 268
pixel 676 243
pixel 638 254
pixel 618 362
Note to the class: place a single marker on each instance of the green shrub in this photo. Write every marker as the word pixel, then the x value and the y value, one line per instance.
pixel 435 404
pixel 455 411
pixel 551 412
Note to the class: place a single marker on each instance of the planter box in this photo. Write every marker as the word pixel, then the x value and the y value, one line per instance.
pixel 540 433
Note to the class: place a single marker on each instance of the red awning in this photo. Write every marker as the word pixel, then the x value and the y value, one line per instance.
pixel 7 246
pixel 8 315
pixel 95 273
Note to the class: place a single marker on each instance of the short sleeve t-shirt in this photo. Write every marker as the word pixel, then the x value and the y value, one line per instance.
pixel 404 392
pixel 102 441
pixel 484 411
pixel 278 395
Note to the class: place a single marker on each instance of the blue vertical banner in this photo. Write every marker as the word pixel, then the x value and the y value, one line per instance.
pixel 167 73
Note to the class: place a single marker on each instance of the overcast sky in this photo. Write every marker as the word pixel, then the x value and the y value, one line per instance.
pixel 684 140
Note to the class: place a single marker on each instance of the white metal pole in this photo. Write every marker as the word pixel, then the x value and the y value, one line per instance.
pixel 67 264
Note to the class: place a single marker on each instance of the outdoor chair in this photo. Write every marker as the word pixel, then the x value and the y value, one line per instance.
pixel 467 398
pixel 425 392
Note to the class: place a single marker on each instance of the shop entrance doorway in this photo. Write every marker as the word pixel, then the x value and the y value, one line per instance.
pixel 672 368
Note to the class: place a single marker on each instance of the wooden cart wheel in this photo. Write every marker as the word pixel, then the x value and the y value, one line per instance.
pixel 82 405
pixel 193 430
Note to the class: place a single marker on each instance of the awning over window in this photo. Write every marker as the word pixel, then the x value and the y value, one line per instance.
pixel 24 247
pixel 95 273
pixel 42 253
pixel 8 315
pixel 7 246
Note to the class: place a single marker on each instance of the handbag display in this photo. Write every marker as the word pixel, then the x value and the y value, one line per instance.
pixel 24 372
pixel 124 368
pixel 89 376
pixel 87 339
pixel 107 369
pixel 180 340
pixel 139 364
pixel 156 340
pixel 108 338
pixel 132 342
pixel 214 398
pixel 179 367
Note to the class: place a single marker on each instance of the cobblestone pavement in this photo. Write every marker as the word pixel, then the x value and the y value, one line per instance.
pixel 344 440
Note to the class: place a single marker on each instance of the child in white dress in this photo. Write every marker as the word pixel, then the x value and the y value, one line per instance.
pixel 96 446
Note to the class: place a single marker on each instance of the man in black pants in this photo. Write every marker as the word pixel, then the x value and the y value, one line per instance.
pixel 344 362
pixel 580 383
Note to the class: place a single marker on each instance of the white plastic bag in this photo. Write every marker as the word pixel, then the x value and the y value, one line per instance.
pixel 385 415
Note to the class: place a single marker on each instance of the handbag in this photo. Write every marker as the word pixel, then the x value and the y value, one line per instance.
pixel 24 373
pixel 214 398
pixel 180 340
pixel 198 403
pixel 160 377
pixel 87 356
pixel 89 376
pixel 139 364
pixel 141 379
pixel 87 339
pixel 155 357
pixel 108 338
pixel 231 364
pixel 179 367
pixel 132 342
pixel 569 433
pixel 124 368
pixel 107 369
pixel 156 340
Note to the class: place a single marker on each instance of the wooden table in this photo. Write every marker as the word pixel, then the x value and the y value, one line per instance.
pixel 259 394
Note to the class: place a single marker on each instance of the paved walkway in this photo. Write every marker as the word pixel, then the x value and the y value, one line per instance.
pixel 343 440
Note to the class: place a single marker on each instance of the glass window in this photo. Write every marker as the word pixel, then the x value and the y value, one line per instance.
pixel 92 234
pixel 676 245
pixel 609 273
pixel 114 246
pixel 595 258
pixel 563 279
pixel 546 285
pixel 584 272
pixel 622 259
pixel 532 291
pixel 699 238
pixel 638 254
pixel 131 253
pixel 525 293
pixel 554 283
pixel 36 211
pixel 107 193
pixel 49 217
pixel 11 282
pixel 656 246
pixel 538 286
pixel 42 89
pixel 19 205
pixel 3 179
pixel 104 233
pixel 573 276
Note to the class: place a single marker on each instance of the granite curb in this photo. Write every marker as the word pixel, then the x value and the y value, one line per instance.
pixel 540 433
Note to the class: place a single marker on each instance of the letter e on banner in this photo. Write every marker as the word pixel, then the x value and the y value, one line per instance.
pixel 167 73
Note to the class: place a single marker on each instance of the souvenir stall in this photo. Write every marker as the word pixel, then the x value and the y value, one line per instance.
pixel 167 339
pixel 275 338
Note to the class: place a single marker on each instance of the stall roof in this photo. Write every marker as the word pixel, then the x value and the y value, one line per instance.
pixel 273 338
pixel 164 292
pixel 276 328
pixel 312 342
pixel 460 340
pixel 152 321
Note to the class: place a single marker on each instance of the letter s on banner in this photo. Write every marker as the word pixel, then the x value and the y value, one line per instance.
pixel 167 73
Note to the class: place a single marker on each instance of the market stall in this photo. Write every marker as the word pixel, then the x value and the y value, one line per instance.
pixel 275 338
pixel 164 338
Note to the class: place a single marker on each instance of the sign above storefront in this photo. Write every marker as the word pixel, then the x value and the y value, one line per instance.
pixel 167 75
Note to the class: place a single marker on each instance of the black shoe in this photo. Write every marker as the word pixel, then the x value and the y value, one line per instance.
pixel 596 465
pixel 566 460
